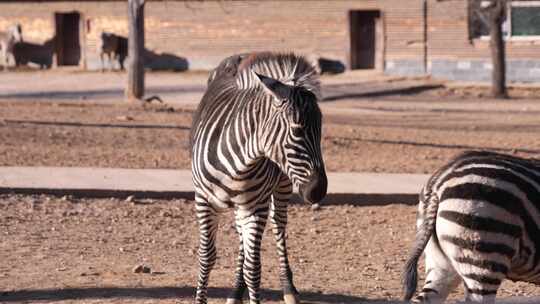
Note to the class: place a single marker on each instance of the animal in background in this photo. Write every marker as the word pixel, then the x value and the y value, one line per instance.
pixel 8 39
pixel 478 224
pixel 114 47
pixel 40 54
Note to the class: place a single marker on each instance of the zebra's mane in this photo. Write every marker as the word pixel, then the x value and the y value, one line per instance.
pixel 288 68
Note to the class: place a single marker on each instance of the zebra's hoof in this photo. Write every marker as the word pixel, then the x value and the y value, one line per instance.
pixel 233 301
pixel 291 299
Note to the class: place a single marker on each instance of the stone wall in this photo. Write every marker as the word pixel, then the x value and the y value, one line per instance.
pixel 517 70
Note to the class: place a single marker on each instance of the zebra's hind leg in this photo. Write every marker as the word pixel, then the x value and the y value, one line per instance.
pixel 479 294
pixel 239 288
pixel 441 277
pixel 480 279
pixel 253 222
pixel 278 218
pixel 208 226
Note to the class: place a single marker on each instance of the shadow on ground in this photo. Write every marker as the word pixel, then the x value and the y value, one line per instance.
pixel 410 90
pixel 165 62
pixel 99 93
pixel 442 146
pixel 93 125
pixel 181 293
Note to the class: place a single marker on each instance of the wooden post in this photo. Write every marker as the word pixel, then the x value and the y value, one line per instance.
pixel 135 82
pixel 496 43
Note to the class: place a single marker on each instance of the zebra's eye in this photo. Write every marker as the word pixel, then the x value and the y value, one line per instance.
pixel 279 104
pixel 297 130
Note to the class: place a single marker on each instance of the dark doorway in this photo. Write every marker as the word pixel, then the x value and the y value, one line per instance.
pixel 363 28
pixel 68 44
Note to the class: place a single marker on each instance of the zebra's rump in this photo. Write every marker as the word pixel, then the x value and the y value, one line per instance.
pixel 488 206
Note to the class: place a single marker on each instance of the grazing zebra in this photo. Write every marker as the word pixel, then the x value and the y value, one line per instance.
pixel 8 39
pixel 253 137
pixel 479 223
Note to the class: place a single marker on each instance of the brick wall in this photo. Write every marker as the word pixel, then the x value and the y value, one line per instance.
pixel 453 56
pixel 204 32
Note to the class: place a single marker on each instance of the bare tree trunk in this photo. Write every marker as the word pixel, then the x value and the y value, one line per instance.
pixel 497 46
pixel 135 83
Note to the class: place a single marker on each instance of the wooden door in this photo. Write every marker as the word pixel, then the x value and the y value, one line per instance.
pixel 68 42
pixel 362 28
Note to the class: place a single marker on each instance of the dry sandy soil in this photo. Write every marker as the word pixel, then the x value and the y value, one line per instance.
pixel 366 135
pixel 70 250
pixel 83 250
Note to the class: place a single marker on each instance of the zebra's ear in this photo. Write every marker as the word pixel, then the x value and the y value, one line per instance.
pixel 280 91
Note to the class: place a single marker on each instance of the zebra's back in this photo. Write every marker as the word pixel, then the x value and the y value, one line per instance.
pixel 479 219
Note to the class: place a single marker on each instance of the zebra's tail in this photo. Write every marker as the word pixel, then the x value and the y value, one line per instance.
pixel 423 234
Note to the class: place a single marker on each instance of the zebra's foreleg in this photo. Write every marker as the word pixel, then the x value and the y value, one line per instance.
pixel 111 63
pixel 102 63
pixel 121 60
pixel 441 277
pixel 5 57
pixel 208 225
pixel 253 223
pixel 278 218
pixel 239 288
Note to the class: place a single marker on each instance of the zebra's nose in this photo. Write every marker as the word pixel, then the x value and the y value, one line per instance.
pixel 315 190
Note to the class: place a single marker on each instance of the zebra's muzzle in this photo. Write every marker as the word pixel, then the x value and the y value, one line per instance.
pixel 314 190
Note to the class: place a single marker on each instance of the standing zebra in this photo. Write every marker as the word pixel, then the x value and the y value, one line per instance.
pixel 479 217
pixel 253 137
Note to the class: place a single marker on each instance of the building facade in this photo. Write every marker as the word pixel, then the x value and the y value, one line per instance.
pixel 413 37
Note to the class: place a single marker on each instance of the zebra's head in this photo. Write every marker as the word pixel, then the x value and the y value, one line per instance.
pixel 293 136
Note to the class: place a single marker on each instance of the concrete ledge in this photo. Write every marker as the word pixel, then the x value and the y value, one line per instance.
pixel 100 193
pixel 343 188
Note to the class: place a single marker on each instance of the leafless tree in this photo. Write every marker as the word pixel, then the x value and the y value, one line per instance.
pixel 493 13
pixel 135 83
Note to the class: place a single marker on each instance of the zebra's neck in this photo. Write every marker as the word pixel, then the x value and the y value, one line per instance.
pixel 245 127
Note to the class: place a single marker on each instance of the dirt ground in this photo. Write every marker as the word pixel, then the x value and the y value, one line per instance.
pixel 69 250
pixel 364 135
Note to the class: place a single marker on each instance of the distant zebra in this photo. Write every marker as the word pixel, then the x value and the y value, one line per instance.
pixel 8 39
pixel 114 46
pixel 479 217
pixel 253 137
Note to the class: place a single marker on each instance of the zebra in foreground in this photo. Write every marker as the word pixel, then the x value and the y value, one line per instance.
pixel 253 137
pixel 479 223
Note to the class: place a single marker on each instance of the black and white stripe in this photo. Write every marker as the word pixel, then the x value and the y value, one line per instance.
pixel 478 223
pixel 8 39
pixel 257 132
